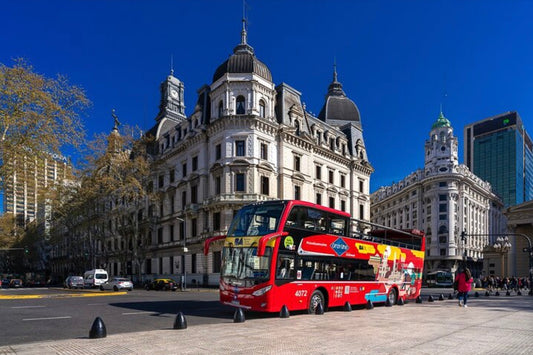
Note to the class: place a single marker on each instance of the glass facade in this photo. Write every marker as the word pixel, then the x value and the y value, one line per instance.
pixel 500 151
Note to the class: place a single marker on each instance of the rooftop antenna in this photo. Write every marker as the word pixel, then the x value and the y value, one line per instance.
pixel 171 64
pixel 335 68
pixel 244 23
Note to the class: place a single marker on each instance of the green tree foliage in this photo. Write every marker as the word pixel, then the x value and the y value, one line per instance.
pixel 39 116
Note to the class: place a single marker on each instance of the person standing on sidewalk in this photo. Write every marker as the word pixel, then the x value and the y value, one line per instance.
pixel 464 284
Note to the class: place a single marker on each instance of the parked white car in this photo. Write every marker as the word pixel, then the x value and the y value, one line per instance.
pixel 116 284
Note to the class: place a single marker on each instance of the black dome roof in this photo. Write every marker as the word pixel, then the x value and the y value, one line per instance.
pixel 338 107
pixel 243 60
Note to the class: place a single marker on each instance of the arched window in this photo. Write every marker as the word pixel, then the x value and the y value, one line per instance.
pixel 297 125
pixel 240 105
pixel 261 108
pixel 220 108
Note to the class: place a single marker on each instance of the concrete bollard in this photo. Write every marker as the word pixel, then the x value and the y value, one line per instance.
pixel 180 322
pixel 347 307
pixel 238 317
pixel 98 329
pixel 441 297
pixel 369 305
pixel 284 313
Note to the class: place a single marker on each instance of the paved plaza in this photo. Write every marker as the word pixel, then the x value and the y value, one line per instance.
pixel 490 325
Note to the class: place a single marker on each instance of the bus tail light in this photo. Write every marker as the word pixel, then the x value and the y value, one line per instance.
pixel 262 291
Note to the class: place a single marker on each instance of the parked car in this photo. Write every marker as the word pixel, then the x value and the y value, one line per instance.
pixel 73 282
pixel 117 283
pixel 15 283
pixel 162 284
pixel 5 283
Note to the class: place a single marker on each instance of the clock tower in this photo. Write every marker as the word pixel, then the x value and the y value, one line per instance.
pixel 441 148
pixel 172 103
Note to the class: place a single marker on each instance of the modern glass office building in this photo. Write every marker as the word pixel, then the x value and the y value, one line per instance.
pixel 499 150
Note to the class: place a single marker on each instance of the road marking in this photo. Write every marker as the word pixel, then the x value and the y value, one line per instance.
pixel 132 313
pixel 29 307
pixel 48 318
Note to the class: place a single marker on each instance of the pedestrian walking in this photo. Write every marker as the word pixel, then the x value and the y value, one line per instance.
pixel 464 284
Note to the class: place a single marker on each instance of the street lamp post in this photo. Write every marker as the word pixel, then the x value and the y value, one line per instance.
pixel 502 246
pixel 185 250
pixel 463 239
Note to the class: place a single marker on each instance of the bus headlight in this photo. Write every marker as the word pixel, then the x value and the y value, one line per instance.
pixel 262 291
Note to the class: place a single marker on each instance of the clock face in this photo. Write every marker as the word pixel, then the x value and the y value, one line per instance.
pixel 173 93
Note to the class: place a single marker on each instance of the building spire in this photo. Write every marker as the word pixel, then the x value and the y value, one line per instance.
pixel 335 69
pixel 171 64
pixel 243 46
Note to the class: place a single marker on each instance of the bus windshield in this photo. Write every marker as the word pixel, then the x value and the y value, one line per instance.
pixel 242 266
pixel 259 219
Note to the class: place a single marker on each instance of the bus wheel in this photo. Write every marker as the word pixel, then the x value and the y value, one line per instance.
pixel 392 296
pixel 316 298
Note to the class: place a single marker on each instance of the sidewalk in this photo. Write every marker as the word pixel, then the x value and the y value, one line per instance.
pixel 491 325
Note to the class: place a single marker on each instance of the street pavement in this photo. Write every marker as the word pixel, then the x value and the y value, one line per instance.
pixel 490 325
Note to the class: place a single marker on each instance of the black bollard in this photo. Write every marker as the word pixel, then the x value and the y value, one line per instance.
pixel 497 293
pixel 441 297
pixel 430 298
pixel 400 301
pixel 418 299
pixel 347 307
pixel 319 308
pixel 476 294
pixel 487 293
pixel 238 317
pixel 180 322
pixel 450 296
pixel 369 305
pixel 508 293
pixel 98 329
pixel 519 293
pixel 284 313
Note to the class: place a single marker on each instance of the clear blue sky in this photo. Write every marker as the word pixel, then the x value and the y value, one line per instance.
pixel 396 59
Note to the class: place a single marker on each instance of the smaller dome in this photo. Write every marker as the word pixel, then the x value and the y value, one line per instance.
pixel 441 122
pixel 338 107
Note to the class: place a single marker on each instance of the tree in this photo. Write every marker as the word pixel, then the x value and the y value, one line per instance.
pixel 39 116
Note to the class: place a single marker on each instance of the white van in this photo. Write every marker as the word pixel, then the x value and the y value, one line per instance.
pixel 95 278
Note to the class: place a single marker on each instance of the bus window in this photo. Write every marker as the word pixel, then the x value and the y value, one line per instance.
pixel 285 267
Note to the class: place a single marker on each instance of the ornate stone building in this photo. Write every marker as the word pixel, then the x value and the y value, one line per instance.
pixel 444 200
pixel 247 140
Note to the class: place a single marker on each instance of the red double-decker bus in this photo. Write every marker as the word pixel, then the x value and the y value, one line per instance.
pixel 298 254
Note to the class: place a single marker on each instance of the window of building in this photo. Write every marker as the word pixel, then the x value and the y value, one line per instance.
pixel 361 185
pixel 330 176
pixel 240 105
pixel 332 143
pixel 194 194
pixel 296 163
pixel 264 151
pixel 161 181
pixel 343 180
pixel 193 263
pixel 239 182
pixel 443 239
pixel 194 163
pixel 443 207
pixel 217 261
pixel 443 197
pixel 362 212
pixel 220 108
pixel 183 199
pixel 172 237
pixel 297 125
pixel 218 185
pixel 172 174
pixel 318 172
pixel 159 235
pixel 343 205
pixel 239 148
pixel 218 152
pixel 443 252
pixel 331 202
pixel 265 184
pixel 216 221
pixel 262 111
pixel 182 230
pixel 194 227
pixel 296 192
pixel 184 169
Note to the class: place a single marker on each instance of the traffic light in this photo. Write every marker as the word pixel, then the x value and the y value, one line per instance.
pixel 26 250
